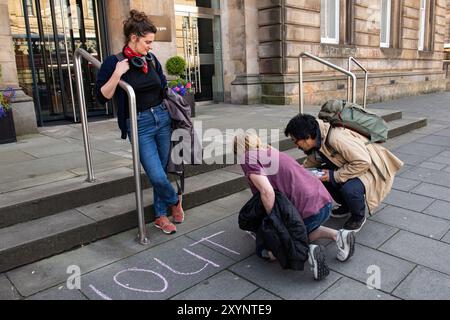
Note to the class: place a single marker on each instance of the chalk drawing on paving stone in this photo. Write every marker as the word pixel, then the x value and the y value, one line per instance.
pixel 214 243
pixel 164 282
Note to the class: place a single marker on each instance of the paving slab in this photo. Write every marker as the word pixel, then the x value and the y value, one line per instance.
pixel 411 159
pixel 403 184
pixel 15 156
pixel 446 238
pixel 35 181
pixel 408 200
pixel 59 293
pixel 55 149
pixel 49 272
pixel 436 140
pixel 444 133
pixel 429 164
pixel 415 222
pixel 261 295
pixel 424 284
pixel 393 270
pixel 424 251
pixel 443 158
pixel 374 234
pixel 223 286
pixel 439 209
pixel 428 175
pixel 7 290
pixel 419 149
pixel 349 289
pixel 287 284
pixel 158 273
pixel 235 202
pixel 433 191
pixel 33 168
pixel 225 237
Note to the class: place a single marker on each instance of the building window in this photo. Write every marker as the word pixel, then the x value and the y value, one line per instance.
pixel 329 15
pixel 90 7
pixel 29 9
pixel 385 37
pixel 422 23
pixel 427 25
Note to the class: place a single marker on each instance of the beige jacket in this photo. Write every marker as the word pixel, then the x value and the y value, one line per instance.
pixel 373 164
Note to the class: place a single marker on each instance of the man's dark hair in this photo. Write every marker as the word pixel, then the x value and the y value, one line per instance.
pixel 302 126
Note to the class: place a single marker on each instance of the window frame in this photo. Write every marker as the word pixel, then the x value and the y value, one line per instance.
pixel 388 17
pixel 323 24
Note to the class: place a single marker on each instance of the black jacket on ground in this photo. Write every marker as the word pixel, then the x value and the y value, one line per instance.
pixel 282 232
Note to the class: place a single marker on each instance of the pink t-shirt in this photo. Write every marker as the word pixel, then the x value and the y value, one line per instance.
pixel 306 192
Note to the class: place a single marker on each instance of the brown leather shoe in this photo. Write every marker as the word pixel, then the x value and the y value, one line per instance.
pixel 178 212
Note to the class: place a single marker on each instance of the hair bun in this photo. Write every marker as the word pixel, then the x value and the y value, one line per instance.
pixel 137 16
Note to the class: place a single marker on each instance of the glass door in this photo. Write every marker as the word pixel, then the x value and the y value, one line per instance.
pixel 55 29
pixel 199 42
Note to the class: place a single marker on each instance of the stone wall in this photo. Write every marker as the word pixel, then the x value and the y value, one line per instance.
pixel 117 11
pixel 23 107
pixel 289 27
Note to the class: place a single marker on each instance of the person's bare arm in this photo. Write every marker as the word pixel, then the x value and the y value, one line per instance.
pixel 110 87
pixel 265 189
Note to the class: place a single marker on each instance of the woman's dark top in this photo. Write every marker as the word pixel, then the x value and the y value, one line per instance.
pixel 148 87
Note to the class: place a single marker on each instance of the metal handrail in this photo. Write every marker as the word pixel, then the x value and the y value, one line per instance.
pixel 350 60
pixel 329 64
pixel 79 54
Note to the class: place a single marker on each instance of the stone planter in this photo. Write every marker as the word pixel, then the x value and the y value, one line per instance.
pixel 7 129
pixel 190 99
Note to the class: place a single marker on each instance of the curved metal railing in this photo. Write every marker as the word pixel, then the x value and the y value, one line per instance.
pixel 350 60
pixel 79 54
pixel 329 64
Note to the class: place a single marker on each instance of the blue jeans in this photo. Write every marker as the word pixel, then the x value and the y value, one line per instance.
pixel 314 222
pixel 154 132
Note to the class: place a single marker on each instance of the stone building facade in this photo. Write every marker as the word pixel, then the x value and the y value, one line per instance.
pixel 248 49
pixel 289 27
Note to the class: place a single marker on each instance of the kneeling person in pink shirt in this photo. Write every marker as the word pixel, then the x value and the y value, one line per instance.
pixel 267 170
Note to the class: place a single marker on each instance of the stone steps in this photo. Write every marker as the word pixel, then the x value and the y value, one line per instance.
pixel 46 220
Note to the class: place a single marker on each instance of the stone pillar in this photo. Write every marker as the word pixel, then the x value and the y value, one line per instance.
pixel 23 107
pixel 117 11
pixel 241 23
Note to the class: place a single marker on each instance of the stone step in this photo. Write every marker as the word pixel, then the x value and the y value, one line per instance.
pixel 405 125
pixel 52 198
pixel 30 241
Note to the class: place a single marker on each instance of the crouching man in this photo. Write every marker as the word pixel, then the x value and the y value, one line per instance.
pixel 355 172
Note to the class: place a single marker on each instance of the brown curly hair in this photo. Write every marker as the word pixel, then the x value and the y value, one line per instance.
pixel 139 24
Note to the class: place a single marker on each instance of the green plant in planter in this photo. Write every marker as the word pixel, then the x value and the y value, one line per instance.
pixel 176 66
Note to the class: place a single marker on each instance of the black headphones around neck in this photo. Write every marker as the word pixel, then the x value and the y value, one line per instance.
pixel 139 62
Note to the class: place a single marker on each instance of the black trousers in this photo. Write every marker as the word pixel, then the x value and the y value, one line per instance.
pixel 351 195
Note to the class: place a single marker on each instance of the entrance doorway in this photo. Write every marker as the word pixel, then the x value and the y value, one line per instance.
pixel 46 34
pixel 199 42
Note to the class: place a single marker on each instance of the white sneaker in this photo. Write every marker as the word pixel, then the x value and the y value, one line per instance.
pixel 346 244
pixel 316 259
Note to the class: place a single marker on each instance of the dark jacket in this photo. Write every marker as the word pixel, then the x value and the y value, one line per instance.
pixel 282 232
pixel 188 147
pixel 103 76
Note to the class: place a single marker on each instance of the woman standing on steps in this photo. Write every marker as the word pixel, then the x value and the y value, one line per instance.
pixel 142 70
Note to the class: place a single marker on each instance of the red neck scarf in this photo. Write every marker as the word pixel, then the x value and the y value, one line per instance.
pixel 130 54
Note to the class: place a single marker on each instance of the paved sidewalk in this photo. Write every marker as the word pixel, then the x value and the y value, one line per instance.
pixel 407 240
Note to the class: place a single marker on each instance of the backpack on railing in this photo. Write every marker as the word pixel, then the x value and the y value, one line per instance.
pixel 340 113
